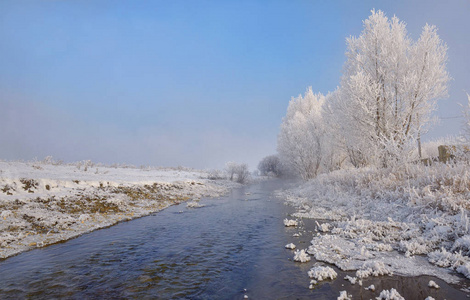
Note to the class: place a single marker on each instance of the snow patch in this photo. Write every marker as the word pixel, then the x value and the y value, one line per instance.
pixel 433 284
pixel 290 246
pixel 370 288
pixel 194 204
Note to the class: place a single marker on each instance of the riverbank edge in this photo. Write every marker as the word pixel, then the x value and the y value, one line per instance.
pixel 44 204
pixel 395 205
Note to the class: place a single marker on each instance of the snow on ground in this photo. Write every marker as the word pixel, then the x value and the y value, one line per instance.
pixel 410 220
pixel 42 203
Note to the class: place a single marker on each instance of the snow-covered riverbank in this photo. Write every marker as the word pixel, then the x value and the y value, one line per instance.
pixel 41 204
pixel 409 221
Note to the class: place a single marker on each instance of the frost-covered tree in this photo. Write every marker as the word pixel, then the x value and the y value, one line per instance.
pixel 335 153
pixel 389 88
pixel 466 123
pixel 238 172
pixel 231 169
pixel 301 138
pixel 242 173
pixel 270 165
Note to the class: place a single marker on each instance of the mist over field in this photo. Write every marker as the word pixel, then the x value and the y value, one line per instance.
pixel 228 150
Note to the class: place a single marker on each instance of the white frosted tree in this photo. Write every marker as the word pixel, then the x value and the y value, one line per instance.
pixel 389 88
pixel 466 122
pixel 336 149
pixel 270 165
pixel 301 138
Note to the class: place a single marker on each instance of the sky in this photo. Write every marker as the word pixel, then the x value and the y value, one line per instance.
pixel 186 83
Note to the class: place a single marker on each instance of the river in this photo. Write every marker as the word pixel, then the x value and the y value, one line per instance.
pixel 231 248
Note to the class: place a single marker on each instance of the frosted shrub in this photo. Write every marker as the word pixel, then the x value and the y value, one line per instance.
pixel 215 175
pixel 271 166
pixel 242 173
pixel 238 172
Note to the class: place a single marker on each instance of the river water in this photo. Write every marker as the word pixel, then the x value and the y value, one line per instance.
pixel 231 248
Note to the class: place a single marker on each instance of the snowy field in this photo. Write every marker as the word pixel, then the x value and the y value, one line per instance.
pixel 408 221
pixel 44 203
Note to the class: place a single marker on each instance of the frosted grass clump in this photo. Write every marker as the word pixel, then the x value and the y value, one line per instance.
pixel 462 244
pixel 391 294
pixel 289 223
pixel 301 256
pixel 343 295
pixel 325 227
pixel 353 280
pixel 320 273
pixel 373 268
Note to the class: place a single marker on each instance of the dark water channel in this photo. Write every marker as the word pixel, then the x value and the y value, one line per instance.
pixel 231 248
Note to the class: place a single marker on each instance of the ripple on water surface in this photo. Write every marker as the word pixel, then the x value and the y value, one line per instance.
pixel 214 252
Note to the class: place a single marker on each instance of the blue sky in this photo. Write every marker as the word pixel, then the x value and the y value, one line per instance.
pixel 193 83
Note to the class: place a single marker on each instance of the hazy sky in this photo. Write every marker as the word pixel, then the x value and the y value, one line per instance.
pixel 193 83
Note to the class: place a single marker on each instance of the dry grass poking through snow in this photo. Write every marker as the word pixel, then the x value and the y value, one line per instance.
pixel 414 209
